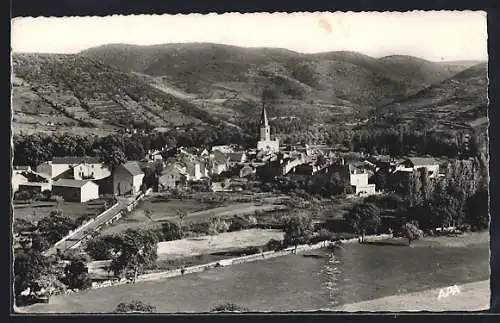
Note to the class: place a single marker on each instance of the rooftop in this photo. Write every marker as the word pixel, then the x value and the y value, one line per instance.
pixel 76 160
pixel 133 168
pixel 70 183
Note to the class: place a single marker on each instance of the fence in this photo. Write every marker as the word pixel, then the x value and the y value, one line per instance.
pixel 117 217
pixel 83 226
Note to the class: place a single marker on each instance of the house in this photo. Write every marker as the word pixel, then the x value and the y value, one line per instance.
pixel 226 149
pixel 20 169
pixel 246 171
pixel 218 162
pixel 172 177
pixel 79 168
pixel 127 179
pixel 35 187
pixel 356 177
pixel 416 163
pixel 76 190
pixel 18 179
pixel 237 158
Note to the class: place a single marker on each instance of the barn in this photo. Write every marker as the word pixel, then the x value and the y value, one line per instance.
pixel 76 190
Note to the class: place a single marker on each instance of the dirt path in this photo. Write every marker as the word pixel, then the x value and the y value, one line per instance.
pixel 472 297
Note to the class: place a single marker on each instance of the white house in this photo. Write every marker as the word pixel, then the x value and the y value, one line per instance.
pixel 78 168
pixel 415 163
pixel 17 179
pixel 76 190
pixel 127 179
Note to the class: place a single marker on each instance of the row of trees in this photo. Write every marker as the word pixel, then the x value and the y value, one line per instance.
pixel 457 199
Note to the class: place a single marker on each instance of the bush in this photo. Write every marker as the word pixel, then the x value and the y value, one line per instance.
pixel 229 307
pixel 100 248
pixel 274 245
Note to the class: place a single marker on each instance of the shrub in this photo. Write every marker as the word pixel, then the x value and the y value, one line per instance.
pixel 135 307
pixel 229 307
pixel 100 248
pixel 274 245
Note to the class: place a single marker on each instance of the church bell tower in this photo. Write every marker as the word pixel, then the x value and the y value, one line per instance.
pixel 265 130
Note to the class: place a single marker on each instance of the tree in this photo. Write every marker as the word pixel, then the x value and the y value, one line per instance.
pixel 364 218
pixel 55 226
pixel 171 231
pixel 135 307
pixel 181 214
pixel 101 248
pixel 114 158
pixel 298 229
pixel 229 307
pixel 477 213
pixel 77 275
pixel 36 274
pixel 135 252
pixel 412 232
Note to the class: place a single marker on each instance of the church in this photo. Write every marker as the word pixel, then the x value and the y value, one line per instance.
pixel 265 143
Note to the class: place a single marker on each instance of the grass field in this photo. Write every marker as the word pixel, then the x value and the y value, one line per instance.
pixel 219 243
pixel 472 297
pixel 356 274
pixel 39 210
pixel 166 210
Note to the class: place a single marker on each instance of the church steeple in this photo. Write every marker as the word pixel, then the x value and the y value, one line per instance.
pixel 263 117
pixel 265 130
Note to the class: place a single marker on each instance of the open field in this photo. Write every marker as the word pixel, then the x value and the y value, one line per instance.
pixel 473 297
pixel 310 281
pixel 219 243
pixel 39 210
pixel 167 210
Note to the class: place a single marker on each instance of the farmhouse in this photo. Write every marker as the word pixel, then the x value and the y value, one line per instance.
pixel 127 179
pixel 415 163
pixel 237 158
pixel 76 190
pixel 17 179
pixel 172 177
pixel 35 187
pixel 78 168
pixel 218 162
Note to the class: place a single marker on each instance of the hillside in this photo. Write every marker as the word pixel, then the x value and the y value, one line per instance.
pixel 461 98
pixel 109 87
pixel 323 84
pixel 64 91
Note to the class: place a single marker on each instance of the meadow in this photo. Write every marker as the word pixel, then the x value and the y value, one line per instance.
pixel 311 281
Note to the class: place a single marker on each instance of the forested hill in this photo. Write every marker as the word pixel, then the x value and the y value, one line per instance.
pixel 73 90
pixel 234 78
pixel 104 88
pixel 462 98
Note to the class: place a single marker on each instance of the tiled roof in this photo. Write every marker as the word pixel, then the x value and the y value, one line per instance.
pixel 422 161
pixel 236 156
pixel 133 168
pixel 70 183
pixel 76 160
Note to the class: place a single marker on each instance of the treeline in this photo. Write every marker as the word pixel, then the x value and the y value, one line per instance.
pixel 460 199
pixel 34 149
pixel 396 136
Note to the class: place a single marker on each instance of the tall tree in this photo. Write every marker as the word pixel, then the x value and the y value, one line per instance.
pixel 364 218
pixel 135 252
pixel 298 229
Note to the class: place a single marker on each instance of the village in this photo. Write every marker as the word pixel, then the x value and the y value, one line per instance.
pixel 97 196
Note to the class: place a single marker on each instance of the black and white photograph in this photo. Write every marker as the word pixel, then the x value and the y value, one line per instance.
pixel 250 163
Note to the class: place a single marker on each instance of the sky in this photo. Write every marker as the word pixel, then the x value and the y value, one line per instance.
pixel 434 35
